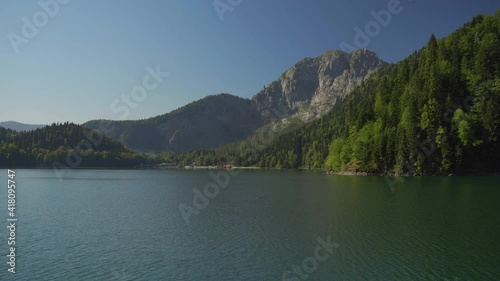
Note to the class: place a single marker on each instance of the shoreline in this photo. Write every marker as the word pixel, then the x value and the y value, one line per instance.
pixel 326 172
pixel 350 173
pixel 215 168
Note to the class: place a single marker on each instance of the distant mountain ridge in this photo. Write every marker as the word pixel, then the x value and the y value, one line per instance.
pixel 20 127
pixel 306 91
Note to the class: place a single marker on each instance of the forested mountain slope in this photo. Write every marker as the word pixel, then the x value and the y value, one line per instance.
pixel 438 111
pixel 67 144
pixel 209 122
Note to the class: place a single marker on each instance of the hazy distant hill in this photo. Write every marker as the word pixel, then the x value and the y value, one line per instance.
pixel 209 122
pixel 20 127
pixel 306 91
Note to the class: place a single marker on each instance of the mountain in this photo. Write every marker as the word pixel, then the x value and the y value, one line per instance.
pixel 209 122
pixel 304 92
pixel 20 127
pixel 436 112
pixel 310 88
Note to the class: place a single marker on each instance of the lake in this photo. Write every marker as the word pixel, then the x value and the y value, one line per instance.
pixel 263 225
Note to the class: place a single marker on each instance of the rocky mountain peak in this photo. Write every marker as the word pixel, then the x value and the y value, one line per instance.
pixel 311 87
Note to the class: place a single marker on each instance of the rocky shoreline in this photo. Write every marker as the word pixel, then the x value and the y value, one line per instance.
pixel 351 173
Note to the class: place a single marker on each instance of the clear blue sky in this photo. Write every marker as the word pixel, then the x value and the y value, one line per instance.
pixel 91 52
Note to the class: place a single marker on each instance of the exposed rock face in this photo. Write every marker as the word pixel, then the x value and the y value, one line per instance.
pixel 311 87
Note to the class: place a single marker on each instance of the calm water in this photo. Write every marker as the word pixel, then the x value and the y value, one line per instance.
pixel 126 225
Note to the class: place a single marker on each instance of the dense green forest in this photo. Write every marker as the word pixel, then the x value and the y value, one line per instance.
pixel 65 144
pixel 436 112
